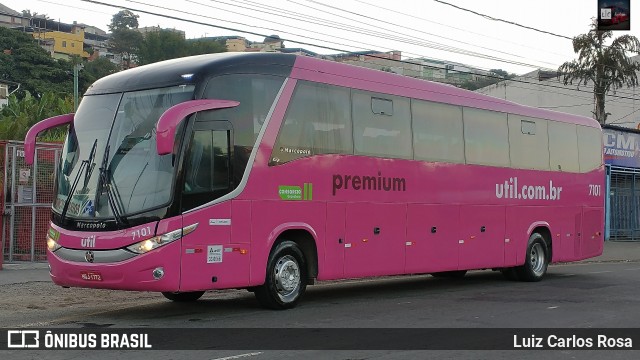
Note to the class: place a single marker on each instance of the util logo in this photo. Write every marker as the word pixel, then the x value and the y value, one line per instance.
pixel 88 242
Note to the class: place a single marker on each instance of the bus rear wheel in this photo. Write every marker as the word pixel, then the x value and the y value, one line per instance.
pixel 536 260
pixel 286 278
pixel 183 296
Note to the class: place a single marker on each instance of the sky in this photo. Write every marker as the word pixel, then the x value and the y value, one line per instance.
pixel 418 28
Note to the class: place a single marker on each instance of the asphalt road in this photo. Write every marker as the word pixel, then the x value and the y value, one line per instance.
pixel 588 295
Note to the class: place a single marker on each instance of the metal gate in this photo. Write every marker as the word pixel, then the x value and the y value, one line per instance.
pixel 27 197
pixel 624 204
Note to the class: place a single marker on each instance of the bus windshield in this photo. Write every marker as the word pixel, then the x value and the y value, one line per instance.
pixel 110 151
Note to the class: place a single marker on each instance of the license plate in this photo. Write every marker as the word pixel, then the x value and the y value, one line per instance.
pixel 91 276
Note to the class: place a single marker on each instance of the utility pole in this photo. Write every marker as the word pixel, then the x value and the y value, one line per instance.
pixel 76 67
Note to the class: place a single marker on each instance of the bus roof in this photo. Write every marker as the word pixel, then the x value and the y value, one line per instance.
pixel 171 72
pixel 177 71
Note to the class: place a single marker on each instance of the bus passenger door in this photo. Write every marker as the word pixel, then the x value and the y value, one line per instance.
pixel 432 238
pixel 210 260
pixel 375 241
pixel 483 230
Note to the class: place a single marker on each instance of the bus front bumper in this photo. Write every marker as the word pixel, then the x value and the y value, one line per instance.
pixel 157 270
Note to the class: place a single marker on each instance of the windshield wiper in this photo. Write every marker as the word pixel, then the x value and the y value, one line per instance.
pixel 113 195
pixel 88 164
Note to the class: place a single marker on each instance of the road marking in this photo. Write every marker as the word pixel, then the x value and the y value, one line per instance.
pixel 632 269
pixel 552 307
pixel 239 356
pixel 599 272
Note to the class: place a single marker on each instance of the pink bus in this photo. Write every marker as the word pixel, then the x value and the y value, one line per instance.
pixel 270 171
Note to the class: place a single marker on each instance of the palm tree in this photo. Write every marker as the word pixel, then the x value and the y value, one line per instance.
pixel 607 67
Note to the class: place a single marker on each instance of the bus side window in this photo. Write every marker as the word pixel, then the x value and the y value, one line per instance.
pixel 377 133
pixel 207 175
pixel 526 133
pixel 437 132
pixel 318 121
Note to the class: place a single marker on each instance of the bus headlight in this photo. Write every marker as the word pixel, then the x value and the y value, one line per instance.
pixel 52 245
pixel 52 239
pixel 147 245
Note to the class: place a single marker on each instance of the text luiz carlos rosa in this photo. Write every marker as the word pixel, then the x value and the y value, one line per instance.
pixel 559 342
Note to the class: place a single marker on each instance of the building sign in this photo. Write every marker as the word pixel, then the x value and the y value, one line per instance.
pixel 621 148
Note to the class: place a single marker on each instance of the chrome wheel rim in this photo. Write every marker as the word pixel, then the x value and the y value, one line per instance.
pixel 287 277
pixel 537 259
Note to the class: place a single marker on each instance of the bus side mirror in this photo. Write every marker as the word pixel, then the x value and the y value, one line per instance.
pixel 30 138
pixel 173 116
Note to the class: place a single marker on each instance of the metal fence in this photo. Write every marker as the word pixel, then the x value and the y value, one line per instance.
pixel 624 204
pixel 27 195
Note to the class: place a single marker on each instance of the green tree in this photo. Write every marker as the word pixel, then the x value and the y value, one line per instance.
pixel 502 73
pixel 96 69
pixel 124 39
pixel 20 114
pixel 23 61
pixel 199 47
pixel 606 67
pixel 161 45
pixel 124 19
pixel 166 44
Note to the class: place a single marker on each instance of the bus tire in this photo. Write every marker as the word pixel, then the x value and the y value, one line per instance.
pixel 455 274
pixel 286 278
pixel 183 296
pixel 536 260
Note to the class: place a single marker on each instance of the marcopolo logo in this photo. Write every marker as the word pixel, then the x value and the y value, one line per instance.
pixel 289 192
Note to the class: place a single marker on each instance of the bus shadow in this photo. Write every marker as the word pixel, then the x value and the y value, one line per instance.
pixel 226 305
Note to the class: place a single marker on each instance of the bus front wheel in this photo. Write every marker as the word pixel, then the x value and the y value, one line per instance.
pixel 286 278
pixel 183 296
pixel 536 260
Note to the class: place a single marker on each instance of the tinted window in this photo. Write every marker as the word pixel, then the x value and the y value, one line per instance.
pixel 486 137
pixel 563 147
pixel 207 174
pixel 529 143
pixel 437 132
pixel 256 94
pixel 378 134
pixel 589 148
pixel 318 121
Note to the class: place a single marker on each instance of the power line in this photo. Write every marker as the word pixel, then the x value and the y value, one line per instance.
pixel 456 28
pixel 74 7
pixel 412 29
pixel 504 21
pixel 342 26
pixel 311 44
pixel 624 117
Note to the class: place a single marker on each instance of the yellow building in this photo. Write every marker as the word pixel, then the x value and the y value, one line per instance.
pixel 65 44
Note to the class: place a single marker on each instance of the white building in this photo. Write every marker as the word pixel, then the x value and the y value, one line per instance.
pixel 544 89
pixel 4 94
